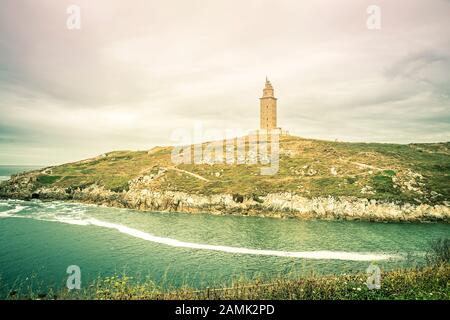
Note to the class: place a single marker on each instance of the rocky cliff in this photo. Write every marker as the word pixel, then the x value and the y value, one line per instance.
pixel 281 205
pixel 316 179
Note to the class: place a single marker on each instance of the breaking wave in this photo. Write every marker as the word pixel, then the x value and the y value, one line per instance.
pixel 78 218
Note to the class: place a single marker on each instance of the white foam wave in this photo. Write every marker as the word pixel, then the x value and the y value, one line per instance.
pixel 81 221
pixel 78 222
pixel 15 210
pixel 326 255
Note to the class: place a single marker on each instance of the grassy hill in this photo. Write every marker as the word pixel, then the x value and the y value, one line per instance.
pixel 417 173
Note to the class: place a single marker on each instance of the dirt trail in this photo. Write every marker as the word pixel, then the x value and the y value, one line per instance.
pixel 364 166
pixel 189 173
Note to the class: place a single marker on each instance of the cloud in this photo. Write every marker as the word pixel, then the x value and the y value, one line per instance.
pixel 429 67
pixel 136 72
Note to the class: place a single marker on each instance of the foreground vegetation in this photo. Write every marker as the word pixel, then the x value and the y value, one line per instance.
pixel 430 282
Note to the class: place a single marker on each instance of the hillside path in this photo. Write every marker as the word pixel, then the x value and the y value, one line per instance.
pixel 189 173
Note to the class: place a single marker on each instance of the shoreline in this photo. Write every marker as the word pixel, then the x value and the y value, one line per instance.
pixel 280 205
pixel 317 180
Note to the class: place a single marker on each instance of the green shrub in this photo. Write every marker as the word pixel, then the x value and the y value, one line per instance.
pixel 439 252
pixel 384 184
pixel 48 179
pixel 390 173
pixel 351 180
pixel 122 187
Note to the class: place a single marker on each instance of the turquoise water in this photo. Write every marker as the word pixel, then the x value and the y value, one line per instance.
pixel 7 171
pixel 39 240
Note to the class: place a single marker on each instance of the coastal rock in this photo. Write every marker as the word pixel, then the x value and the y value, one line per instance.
pixel 285 205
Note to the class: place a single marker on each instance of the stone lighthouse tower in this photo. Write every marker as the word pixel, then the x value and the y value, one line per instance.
pixel 268 111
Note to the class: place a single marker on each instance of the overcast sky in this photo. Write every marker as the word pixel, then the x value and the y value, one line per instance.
pixel 138 70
